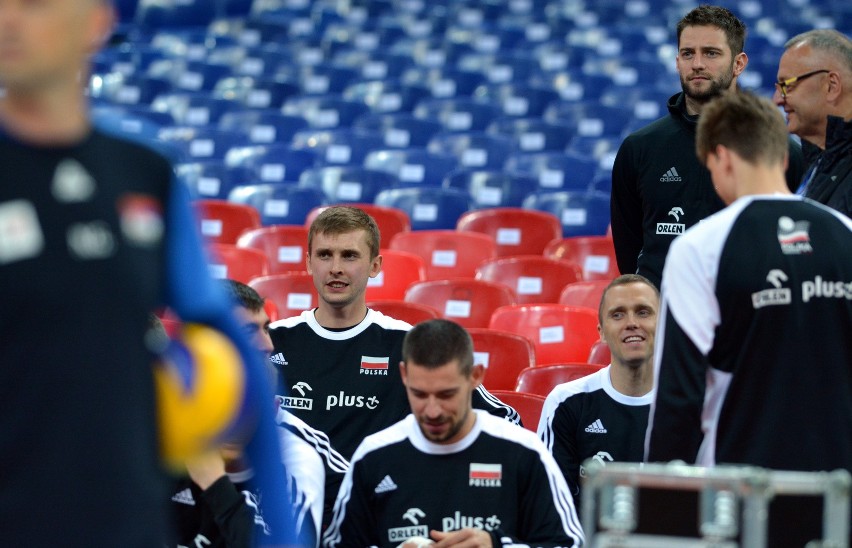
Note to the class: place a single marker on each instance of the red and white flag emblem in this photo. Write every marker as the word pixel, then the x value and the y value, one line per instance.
pixel 370 362
pixel 486 471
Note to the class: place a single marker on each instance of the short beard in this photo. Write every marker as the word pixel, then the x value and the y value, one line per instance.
pixel 717 87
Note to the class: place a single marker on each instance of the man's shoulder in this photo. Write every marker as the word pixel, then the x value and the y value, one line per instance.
pixel 393 434
pixel 583 385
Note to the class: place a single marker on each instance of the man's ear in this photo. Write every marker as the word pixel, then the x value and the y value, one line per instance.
pixel 403 373
pixel 477 375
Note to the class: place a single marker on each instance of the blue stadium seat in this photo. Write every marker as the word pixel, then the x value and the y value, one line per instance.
pixel 348 183
pixel 157 14
pixel 325 111
pixel 193 108
pixel 474 149
pixel 458 114
pixel 554 170
pixel 399 129
pixel 383 96
pixel 212 179
pixel 263 126
pixel 275 163
pixel 412 167
pixel 197 75
pixel 492 188
pixel 518 100
pixel 279 203
pixel 444 83
pixel 589 117
pixel 533 134
pixel 132 89
pixel 202 143
pixel 581 213
pixel 324 78
pixel 429 208
pixel 338 146
pixel 256 92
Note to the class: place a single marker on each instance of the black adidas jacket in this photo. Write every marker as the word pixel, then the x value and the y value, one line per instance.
pixel 659 189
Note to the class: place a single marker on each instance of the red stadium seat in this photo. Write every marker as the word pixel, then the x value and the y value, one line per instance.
pixel 534 279
pixel 600 354
pixel 541 380
pixel 399 270
pixel 447 253
pixel 222 222
pixel 517 231
pixel 412 313
pixel 594 254
pixel 587 294
pixel 292 293
pixel 236 263
pixel 529 406
pixel 465 301
pixel 504 354
pixel 390 220
pixel 285 246
pixel 559 333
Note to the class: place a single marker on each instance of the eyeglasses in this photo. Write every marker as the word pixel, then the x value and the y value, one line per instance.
pixel 784 85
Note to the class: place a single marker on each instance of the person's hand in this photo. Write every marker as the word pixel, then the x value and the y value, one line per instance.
pixel 463 538
pixel 205 469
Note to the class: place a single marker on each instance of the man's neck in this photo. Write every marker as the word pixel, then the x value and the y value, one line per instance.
pixel 340 318
pixel 759 179
pixel 632 381
pixel 45 118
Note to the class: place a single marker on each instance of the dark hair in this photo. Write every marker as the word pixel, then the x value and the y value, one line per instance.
pixel 624 279
pixel 343 219
pixel 749 125
pixel 719 17
pixel 244 295
pixel 435 343
pixel 836 44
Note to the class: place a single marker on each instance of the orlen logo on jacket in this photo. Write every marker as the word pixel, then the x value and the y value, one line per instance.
pixel 374 366
pixel 342 400
pixel 293 402
pixel 485 475
pixel 401 534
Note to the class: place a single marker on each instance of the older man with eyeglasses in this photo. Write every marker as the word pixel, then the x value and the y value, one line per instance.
pixel 815 89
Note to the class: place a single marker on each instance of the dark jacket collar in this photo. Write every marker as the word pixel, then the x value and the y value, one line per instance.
pixel 677 108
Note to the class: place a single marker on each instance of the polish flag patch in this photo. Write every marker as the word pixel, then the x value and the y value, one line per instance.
pixel 371 365
pixel 479 471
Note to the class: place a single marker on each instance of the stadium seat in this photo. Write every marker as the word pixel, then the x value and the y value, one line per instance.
pixel 429 208
pixel 543 379
pixel 390 220
pixel 518 100
pixel 273 163
pixel 413 166
pixel 581 213
pixel 324 78
pixel 446 82
pixel 212 179
pixel 535 279
pixel 385 96
pixel 399 129
pixel 202 143
pixel 560 333
pixel 193 108
pixel 533 134
pixel 458 114
pixel 236 263
pixel 255 91
pixel 284 246
pixel 447 253
pixel 263 126
pixel 590 118
pixel 409 312
pixel 342 146
pixel 600 354
pixel 347 184
pixel 491 189
pixel 554 170
pixel 585 293
pixel 594 254
pixel 473 149
pixel 324 111
pixel 529 406
pixel 400 269
pixel 279 203
pixel 292 293
pixel 517 231
pixel 504 354
pixel 465 301
pixel 222 222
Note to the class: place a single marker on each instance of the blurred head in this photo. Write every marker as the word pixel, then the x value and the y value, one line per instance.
pixel 747 125
pixel 627 320
pixel 440 377
pixel 815 81
pixel 710 52
pixel 343 254
pixel 47 43
pixel 251 314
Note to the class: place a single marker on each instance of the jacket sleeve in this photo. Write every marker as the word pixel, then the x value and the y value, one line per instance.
pixel 557 429
pixel 353 522
pixel 234 518
pixel 626 210
pixel 685 335
pixel 796 166
pixel 485 400
pixel 192 294
pixel 548 516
